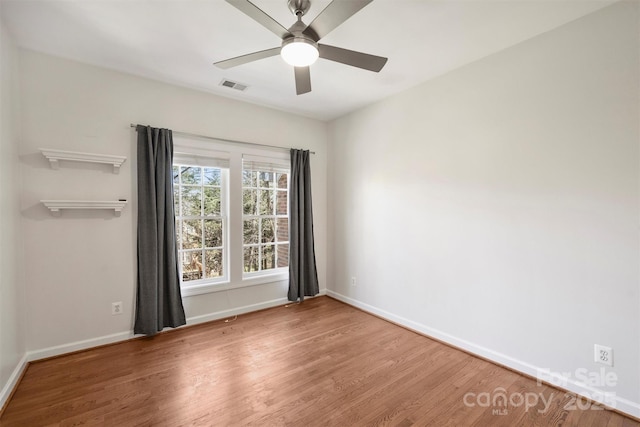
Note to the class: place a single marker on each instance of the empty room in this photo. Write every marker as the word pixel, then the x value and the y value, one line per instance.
pixel 316 212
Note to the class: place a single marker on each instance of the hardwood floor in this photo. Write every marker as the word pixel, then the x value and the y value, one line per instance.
pixel 314 364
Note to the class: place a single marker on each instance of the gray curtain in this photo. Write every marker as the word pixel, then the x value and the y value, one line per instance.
pixel 303 275
pixel 159 303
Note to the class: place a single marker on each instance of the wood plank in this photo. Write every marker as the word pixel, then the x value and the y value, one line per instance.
pixel 317 363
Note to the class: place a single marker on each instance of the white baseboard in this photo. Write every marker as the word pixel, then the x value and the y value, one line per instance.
pixel 123 336
pixel 619 403
pixel 242 310
pixel 13 381
pixel 235 311
pixel 77 345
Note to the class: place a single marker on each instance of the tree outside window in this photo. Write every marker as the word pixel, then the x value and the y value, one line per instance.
pixel 200 223
pixel 265 198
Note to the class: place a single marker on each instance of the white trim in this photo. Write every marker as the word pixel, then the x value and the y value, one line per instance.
pixel 183 140
pixel 56 205
pixel 619 403
pixel 194 158
pixel 265 276
pixel 78 345
pixel 12 383
pixel 279 164
pixel 206 288
pixel 123 336
pixel 55 155
pixel 235 311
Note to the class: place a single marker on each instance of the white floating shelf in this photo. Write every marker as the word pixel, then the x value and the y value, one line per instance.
pixel 56 205
pixel 56 155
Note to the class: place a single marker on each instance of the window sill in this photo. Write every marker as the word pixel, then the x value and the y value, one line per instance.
pixel 207 288
pixel 260 279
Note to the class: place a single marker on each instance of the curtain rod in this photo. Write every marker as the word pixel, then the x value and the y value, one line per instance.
pixel 232 141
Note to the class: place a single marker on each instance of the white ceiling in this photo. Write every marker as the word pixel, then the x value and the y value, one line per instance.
pixel 176 41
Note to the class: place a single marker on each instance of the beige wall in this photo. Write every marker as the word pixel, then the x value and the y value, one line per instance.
pixel 497 207
pixel 12 296
pixel 80 263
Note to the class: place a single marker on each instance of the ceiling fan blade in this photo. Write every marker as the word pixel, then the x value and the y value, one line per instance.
pixel 333 15
pixel 303 80
pixel 250 57
pixel 351 57
pixel 253 11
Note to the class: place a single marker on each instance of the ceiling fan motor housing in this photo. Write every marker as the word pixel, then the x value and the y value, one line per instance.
pixel 299 7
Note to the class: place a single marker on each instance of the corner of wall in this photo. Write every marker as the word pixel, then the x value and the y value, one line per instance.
pixel 12 294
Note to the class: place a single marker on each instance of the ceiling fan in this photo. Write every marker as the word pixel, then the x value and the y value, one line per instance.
pixel 300 46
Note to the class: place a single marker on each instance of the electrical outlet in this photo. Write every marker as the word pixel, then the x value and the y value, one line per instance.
pixel 116 308
pixel 603 354
pixel 353 281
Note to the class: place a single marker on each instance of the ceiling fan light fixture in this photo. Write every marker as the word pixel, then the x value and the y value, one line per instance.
pixel 299 51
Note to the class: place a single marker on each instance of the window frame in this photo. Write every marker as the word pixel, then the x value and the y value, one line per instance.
pixel 256 215
pixel 231 156
pixel 222 216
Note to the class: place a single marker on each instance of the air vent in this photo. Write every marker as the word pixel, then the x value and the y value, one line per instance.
pixel 233 85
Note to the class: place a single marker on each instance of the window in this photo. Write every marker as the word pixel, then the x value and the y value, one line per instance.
pixel 232 222
pixel 265 199
pixel 200 222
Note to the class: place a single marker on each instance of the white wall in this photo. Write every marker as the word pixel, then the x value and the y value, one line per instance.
pixel 80 263
pixel 497 207
pixel 12 302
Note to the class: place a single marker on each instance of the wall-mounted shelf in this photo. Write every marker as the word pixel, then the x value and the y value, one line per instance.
pixel 56 155
pixel 55 206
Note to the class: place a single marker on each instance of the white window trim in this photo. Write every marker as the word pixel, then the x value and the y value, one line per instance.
pixel 224 201
pixel 272 166
pixel 232 156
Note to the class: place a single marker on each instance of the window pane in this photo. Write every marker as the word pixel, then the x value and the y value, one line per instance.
pixel 213 263
pixel 282 230
pixel 268 257
pixel 197 197
pixel 249 178
pixel 176 175
pixel 266 202
pixel 179 233
pixel 250 259
pixel 212 233
pixel 249 201
pixel 191 266
pixel 283 255
pixel 192 234
pixel 212 176
pixel 191 201
pixel 267 230
pixel 191 174
pixel 266 179
pixel 251 231
pixel 282 181
pixel 176 200
pixel 281 203
pixel 211 201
